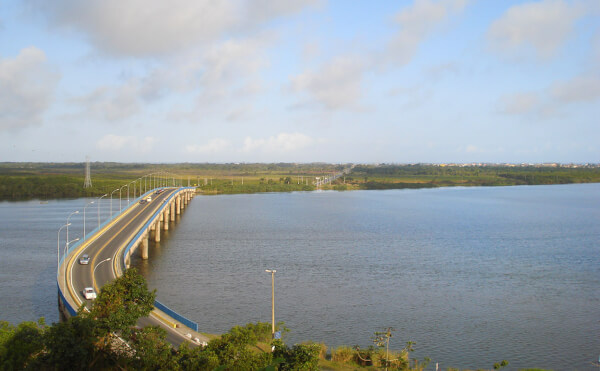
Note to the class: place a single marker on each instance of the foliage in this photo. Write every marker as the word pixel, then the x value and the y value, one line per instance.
pixel 299 357
pixel 343 354
pixel 20 346
pixel 121 302
pixel 499 365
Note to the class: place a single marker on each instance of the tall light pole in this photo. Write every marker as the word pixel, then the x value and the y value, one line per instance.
pixel 58 247
pixel 88 204
pixel 128 191
pixel 68 224
pixel 120 207
pixel 94 271
pixel 106 194
pixel 272 271
pixel 65 254
pixel 111 193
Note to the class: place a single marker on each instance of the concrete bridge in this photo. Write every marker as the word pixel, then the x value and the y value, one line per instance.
pixel 110 248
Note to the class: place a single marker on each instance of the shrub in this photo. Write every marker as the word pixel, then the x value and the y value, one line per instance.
pixel 343 354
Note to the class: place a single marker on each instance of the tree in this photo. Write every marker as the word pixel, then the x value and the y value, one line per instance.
pixel 122 302
pixel 381 339
pixel 20 346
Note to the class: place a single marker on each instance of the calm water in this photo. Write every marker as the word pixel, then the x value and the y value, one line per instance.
pixel 472 275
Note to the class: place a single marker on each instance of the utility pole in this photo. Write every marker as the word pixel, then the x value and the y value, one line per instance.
pixel 272 271
pixel 88 179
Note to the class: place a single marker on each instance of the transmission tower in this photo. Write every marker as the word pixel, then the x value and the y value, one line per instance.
pixel 88 178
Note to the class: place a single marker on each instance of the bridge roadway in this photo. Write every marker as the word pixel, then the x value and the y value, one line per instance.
pixel 110 244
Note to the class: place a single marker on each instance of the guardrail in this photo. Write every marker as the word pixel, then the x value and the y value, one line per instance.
pixel 76 245
pixel 189 323
pixel 72 311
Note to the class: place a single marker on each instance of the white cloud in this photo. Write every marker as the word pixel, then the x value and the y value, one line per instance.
pixel 544 26
pixel 111 103
pixel 283 142
pixel 147 28
pixel 578 89
pixel 27 85
pixel 519 103
pixel 213 146
pixel 335 85
pixel 416 23
pixel 118 143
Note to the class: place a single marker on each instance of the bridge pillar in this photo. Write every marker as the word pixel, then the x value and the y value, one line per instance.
pixel 172 211
pixel 178 206
pixel 165 219
pixel 144 246
pixel 157 231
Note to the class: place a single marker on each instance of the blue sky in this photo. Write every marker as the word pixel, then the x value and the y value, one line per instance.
pixel 300 81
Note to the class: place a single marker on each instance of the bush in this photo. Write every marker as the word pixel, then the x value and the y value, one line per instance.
pixel 343 354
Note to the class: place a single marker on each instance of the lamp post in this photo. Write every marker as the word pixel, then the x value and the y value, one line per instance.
pixel 99 209
pixel 272 271
pixel 120 207
pixel 88 204
pixel 70 215
pixel 65 254
pixel 128 191
pixel 94 271
pixel 111 193
pixel 58 247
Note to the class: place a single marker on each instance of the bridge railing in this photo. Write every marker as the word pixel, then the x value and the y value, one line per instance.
pixel 189 323
pixel 76 245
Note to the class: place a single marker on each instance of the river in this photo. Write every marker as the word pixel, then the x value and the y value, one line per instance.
pixel 472 275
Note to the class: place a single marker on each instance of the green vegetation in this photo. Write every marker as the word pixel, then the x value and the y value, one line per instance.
pixel 105 338
pixel 428 176
pixel 46 180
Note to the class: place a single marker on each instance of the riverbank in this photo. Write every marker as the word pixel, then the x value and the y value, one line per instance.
pixel 23 181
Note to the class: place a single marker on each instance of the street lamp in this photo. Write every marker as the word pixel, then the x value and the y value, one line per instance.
pixel 111 193
pixel 65 254
pixel 68 224
pixel 88 204
pixel 120 207
pixel 128 191
pixel 58 247
pixel 94 271
pixel 99 209
pixel 272 271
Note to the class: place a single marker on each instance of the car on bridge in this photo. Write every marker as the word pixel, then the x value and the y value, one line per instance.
pixel 149 199
pixel 143 201
pixel 89 293
pixel 85 259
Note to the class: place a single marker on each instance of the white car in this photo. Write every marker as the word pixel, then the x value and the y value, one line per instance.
pixel 89 293
pixel 149 199
pixel 85 259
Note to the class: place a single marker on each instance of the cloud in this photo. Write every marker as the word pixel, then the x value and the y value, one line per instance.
pixel 111 103
pixel 142 28
pixel 578 89
pixel 213 146
pixel 283 142
pixel 544 26
pixel 27 86
pixel 416 23
pixel 336 85
pixel 519 103
pixel 117 143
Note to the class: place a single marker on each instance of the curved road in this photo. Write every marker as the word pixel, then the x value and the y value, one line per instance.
pixel 109 245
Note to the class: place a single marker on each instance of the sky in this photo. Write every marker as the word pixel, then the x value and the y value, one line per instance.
pixel 347 81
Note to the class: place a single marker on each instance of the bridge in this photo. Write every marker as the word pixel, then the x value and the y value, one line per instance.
pixel 110 247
